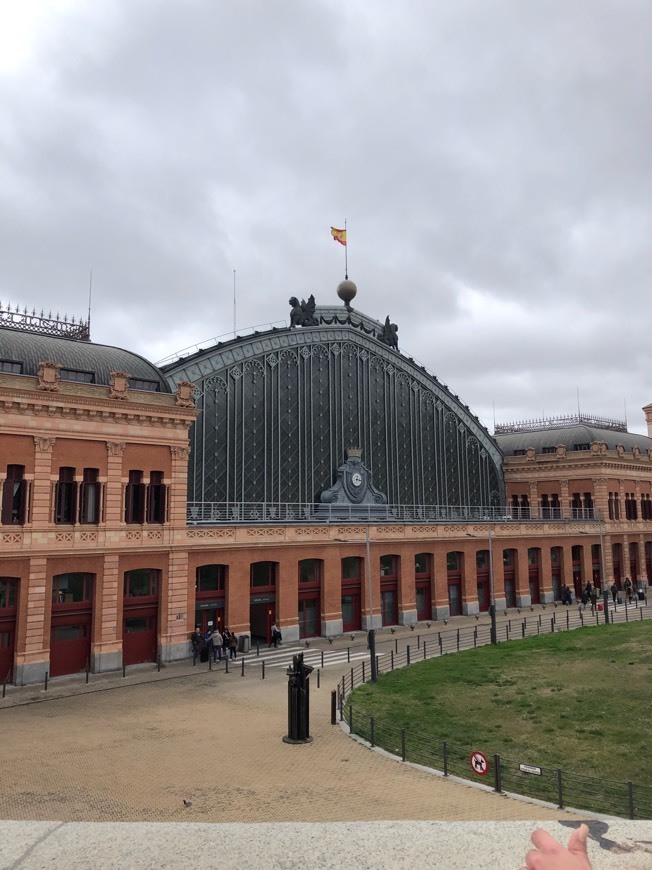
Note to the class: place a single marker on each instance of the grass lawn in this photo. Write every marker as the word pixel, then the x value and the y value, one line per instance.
pixel 578 700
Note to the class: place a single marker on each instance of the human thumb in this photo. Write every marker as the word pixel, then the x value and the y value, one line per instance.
pixel 577 843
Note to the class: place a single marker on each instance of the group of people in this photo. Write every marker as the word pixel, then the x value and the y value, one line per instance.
pixel 591 593
pixel 214 643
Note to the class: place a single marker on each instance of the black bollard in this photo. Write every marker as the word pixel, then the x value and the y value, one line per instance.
pixel 46 681
pixel 333 707
pixel 299 701
pixel 242 668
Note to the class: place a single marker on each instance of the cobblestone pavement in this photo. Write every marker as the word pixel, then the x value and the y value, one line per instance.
pixel 136 752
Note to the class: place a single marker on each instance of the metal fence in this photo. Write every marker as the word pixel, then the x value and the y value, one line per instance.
pixel 213 513
pixel 552 784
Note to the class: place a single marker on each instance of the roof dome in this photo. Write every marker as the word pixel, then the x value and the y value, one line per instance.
pixel 28 349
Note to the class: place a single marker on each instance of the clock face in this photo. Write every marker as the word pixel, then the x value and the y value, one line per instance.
pixel 356 479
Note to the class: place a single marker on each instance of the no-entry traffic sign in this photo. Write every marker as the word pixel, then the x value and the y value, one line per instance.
pixel 479 763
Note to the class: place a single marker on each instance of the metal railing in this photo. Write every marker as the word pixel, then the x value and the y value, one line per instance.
pixel 215 513
pixel 548 783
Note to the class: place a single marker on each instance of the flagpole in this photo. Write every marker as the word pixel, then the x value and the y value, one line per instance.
pixel 234 309
pixel 346 253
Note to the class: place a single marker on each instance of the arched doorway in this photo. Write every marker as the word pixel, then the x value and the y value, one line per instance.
pixel 262 600
pixel 310 574
pixel 70 629
pixel 351 582
pixel 210 592
pixel 423 586
pixel 140 616
pixel 8 609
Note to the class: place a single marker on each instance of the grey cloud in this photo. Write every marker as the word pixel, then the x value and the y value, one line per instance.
pixel 500 149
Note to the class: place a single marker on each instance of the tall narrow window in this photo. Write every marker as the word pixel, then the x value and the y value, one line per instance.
pixel 156 498
pixel 89 497
pixel 14 496
pixel 65 496
pixel 135 498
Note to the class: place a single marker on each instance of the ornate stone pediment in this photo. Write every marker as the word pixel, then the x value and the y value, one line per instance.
pixel 48 376
pixel 184 396
pixel 353 485
pixel 119 385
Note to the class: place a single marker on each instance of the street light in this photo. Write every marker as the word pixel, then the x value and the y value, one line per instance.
pixel 493 634
pixel 371 636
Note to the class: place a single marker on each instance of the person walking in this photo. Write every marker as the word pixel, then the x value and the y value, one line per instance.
pixel 208 640
pixel 614 592
pixel 218 640
pixel 594 600
pixel 233 645
pixel 196 641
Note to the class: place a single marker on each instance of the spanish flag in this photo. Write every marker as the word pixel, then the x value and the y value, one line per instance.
pixel 339 236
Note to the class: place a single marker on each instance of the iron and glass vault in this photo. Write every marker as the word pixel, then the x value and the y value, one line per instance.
pixel 279 410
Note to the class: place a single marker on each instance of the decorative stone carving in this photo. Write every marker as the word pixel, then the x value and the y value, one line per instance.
pixel 115 448
pixel 599 448
pixel 636 451
pixel 210 533
pixel 43 445
pixel 48 376
pixel 180 451
pixel 389 335
pixel 353 485
pixel 119 385
pixel 530 453
pixel 302 313
pixel 649 453
pixel 184 395
pixel 620 450
pixel 560 450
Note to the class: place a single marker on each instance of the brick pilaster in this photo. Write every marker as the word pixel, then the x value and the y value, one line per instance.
pixel 41 514
pixel 113 512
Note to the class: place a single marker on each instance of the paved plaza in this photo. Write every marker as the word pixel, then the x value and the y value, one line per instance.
pixel 135 753
pixel 195 746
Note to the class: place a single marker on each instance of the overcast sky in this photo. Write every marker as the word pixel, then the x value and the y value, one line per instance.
pixel 493 159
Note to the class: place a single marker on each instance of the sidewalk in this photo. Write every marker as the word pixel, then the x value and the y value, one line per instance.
pixel 136 753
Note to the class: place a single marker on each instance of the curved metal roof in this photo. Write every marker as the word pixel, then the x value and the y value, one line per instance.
pixel 570 436
pixel 341 327
pixel 30 349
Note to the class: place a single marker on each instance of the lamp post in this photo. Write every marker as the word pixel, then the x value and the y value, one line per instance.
pixel 371 635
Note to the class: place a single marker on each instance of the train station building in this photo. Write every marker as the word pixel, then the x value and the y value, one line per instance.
pixel 313 476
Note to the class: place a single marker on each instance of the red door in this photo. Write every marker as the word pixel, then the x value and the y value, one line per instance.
pixel 351 613
pixel 483 595
pixel 70 630
pixel 7 647
pixel 423 595
pixel 8 603
pixel 139 641
pixel 70 644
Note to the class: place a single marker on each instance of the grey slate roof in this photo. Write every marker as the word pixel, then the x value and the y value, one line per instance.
pixel 30 349
pixel 569 436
